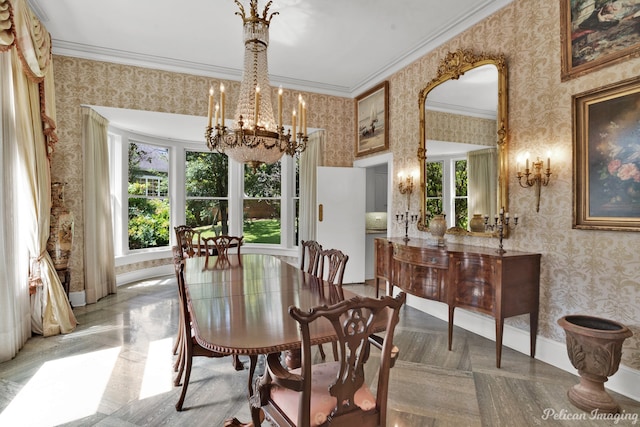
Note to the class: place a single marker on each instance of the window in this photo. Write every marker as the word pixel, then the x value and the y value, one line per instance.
pixel 148 223
pixel 446 190
pixel 262 204
pixel 207 192
pixel 158 184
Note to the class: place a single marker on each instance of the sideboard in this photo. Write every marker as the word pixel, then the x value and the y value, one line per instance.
pixel 469 277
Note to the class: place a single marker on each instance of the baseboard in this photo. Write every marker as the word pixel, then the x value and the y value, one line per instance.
pixel 145 273
pixel 625 381
pixel 77 299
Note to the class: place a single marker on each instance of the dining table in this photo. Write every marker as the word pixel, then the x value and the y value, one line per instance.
pixel 240 305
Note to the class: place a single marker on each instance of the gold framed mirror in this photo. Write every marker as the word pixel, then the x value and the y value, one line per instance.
pixel 463 142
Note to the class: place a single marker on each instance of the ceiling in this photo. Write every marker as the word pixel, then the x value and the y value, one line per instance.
pixel 335 47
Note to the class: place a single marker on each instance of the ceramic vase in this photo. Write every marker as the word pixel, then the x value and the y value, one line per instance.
pixel 61 228
pixel 594 346
pixel 437 228
pixel 476 224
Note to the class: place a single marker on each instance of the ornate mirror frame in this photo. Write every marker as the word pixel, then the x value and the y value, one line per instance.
pixel 454 65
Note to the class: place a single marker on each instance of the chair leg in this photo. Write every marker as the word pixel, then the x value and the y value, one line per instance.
pixel 252 370
pixel 322 355
pixel 185 383
pixel 335 350
pixel 181 357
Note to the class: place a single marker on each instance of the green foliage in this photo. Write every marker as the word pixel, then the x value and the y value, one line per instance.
pixel 148 223
pixel 264 181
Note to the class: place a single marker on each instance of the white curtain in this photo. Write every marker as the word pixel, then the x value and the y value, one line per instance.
pixel 15 316
pixel 482 167
pixel 99 260
pixel 28 46
pixel 310 159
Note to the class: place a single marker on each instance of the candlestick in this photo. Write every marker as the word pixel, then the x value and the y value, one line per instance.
pixel 501 223
pixel 217 113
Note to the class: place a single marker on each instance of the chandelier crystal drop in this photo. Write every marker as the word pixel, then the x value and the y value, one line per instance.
pixel 256 137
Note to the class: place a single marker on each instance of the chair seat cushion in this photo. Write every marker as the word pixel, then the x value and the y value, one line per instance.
pixel 322 403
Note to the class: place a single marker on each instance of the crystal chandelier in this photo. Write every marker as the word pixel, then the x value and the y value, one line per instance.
pixel 256 136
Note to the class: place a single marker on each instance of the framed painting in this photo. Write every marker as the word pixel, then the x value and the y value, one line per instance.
pixel 597 33
pixel 372 118
pixel 606 157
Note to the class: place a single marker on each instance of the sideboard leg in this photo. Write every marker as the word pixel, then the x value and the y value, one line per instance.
pixel 533 331
pixel 499 329
pixel 451 308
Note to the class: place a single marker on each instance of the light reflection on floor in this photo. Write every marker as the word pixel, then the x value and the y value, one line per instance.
pixel 62 390
pixel 157 371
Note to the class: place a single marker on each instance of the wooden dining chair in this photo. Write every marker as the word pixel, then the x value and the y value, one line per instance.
pixel 335 391
pixel 310 256
pixel 331 265
pixel 190 347
pixel 185 237
pixel 189 240
pixel 222 246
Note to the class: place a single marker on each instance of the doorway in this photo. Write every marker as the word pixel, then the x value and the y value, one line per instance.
pixel 378 190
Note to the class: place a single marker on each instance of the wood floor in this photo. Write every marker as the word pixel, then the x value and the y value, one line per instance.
pixel 116 370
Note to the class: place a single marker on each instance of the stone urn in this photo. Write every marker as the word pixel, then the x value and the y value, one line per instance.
pixel 60 229
pixel 476 224
pixel 437 228
pixel 594 346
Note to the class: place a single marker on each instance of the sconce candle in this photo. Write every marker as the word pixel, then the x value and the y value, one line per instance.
pixel 537 179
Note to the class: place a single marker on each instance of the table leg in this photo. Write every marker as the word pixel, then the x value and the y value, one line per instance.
pixel 293 358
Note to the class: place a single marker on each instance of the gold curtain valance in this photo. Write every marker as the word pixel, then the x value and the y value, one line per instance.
pixel 21 28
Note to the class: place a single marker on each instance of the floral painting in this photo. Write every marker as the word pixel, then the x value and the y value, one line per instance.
pixel 607 157
pixel 596 33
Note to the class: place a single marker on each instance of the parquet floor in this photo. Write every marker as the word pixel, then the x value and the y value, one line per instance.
pixel 116 370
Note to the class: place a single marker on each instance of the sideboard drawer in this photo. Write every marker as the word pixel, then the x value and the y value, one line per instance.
pixel 428 257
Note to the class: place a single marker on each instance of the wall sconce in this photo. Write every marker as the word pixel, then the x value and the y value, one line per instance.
pixel 405 186
pixel 536 179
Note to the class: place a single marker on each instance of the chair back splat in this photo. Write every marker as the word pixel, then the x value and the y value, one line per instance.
pixel 336 393
pixel 223 246
pixel 185 237
pixel 310 256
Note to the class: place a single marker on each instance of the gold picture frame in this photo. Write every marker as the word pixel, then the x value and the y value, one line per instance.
pixel 606 157
pixel 596 34
pixel 372 120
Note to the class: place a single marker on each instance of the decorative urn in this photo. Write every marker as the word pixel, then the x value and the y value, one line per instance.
pixel 61 228
pixel 594 346
pixel 437 228
pixel 476 224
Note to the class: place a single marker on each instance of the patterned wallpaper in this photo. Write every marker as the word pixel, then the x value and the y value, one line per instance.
pixel 456 128
pixel 593 272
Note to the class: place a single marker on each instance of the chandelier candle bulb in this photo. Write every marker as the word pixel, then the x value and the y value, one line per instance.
pixel 293 123
pixel 304 118
pixel 217 114
pixel 280 108
pixel 210 113
pixel 222 103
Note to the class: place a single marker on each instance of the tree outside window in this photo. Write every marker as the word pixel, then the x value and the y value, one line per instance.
pixel 207 192
pixel 148 196
pixel 262 201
